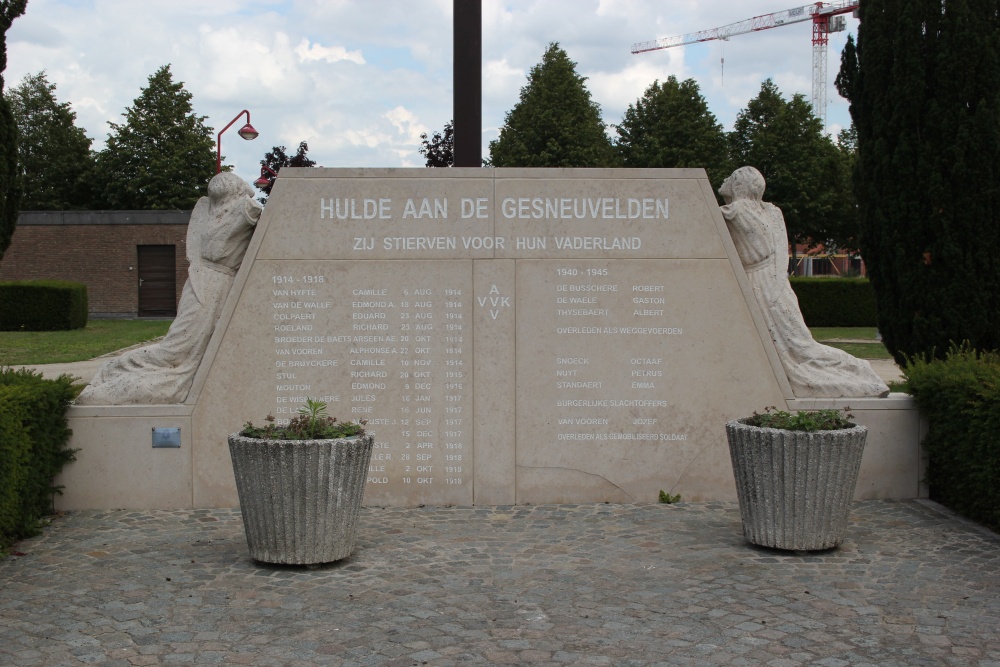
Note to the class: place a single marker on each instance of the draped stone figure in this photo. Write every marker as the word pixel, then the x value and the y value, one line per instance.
pixel 758 231
pixel 219 232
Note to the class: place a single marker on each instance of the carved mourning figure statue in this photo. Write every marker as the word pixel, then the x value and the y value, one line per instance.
pixel 758 231
pixel 218 235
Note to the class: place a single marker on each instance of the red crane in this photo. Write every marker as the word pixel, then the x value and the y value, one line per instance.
pixel 826 17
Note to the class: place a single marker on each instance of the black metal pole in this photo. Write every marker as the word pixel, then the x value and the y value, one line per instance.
pixel 467 79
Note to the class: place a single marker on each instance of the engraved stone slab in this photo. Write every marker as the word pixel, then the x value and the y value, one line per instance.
pixel 511 335
pixel 618 366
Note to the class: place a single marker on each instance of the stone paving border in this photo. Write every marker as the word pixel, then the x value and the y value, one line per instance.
pixel 527 585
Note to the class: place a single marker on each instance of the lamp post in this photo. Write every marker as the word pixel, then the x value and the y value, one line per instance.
pixel 264 181
pixel 247 132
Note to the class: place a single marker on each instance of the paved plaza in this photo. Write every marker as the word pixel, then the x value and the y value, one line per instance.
pixel 526 585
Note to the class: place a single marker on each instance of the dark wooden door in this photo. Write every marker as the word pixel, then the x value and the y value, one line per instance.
pixel 157 281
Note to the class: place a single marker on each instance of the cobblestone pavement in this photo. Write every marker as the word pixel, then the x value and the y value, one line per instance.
pixel 526 585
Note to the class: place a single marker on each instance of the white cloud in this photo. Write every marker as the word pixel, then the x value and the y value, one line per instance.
pixel 406 124
pixel 368 138
pixel 626 86
pixel 502 84
pixel 330 54
pixel 236 63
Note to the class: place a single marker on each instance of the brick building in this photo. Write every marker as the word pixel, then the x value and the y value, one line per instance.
pixel 821 262
pixel 133 262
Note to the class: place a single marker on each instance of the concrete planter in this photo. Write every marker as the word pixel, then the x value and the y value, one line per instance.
pixel 795 488
pixel 300 498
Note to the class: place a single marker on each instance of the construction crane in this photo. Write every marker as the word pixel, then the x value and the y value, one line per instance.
pixel 826 17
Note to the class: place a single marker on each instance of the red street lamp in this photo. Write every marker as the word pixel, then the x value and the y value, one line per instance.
pixel 264 181
pixel 247 132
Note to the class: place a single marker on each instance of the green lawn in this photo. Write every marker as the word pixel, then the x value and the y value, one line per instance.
pixel 873 350
pixel 860 333
pixel 97 338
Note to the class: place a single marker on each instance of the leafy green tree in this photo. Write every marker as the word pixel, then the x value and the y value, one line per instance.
pixel 555 123
pixel 847 151
pixel 278 158
pixel 439 149
pixel 671 126
pixel 805 172
pixel 162 156
pixel 10 176
pixel 55 155
pixel 922 82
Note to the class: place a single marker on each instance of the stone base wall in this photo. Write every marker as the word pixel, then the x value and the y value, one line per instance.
pixel 117 467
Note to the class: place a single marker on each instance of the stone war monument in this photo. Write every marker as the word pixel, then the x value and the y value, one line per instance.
pixel 511 336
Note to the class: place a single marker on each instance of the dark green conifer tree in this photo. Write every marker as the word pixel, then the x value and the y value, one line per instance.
pixel 10 176
pixel 555 123
pixel 55 156
pixel 162 156
pixel 671 126
pixel 922 82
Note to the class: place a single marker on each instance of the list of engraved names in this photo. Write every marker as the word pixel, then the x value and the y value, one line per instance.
pixel 398 357
pixel 610 334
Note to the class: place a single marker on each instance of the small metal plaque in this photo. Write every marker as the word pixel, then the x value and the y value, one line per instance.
pixel 166 437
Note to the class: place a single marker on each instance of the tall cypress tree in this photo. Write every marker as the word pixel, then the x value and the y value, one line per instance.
pixel 922 82
pixel 10 176
pixel 555 123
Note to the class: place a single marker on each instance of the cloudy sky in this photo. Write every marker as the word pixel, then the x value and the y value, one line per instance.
pixel 360 80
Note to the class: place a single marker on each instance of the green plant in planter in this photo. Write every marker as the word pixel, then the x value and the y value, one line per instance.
pixel 301 485
pixel 795 476
pixel 803 420
pixel 312 423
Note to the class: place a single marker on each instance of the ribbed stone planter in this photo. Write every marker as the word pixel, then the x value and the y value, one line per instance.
pixel 795 488
pixel 300 498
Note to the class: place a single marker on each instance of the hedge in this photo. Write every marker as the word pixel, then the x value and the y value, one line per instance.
pixel 835 302
pixel 15 457
pixel 960 398
pixel 33 448
pixel 42 305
